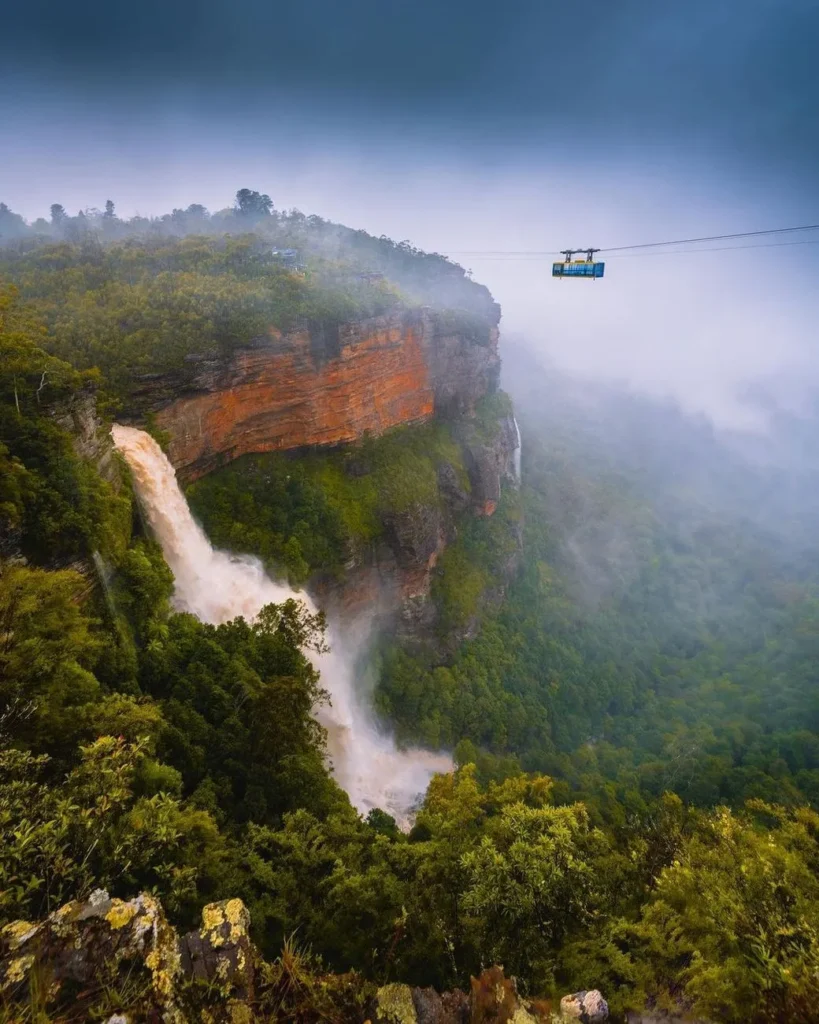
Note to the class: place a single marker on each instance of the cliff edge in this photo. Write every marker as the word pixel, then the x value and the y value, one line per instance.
pixel 323 385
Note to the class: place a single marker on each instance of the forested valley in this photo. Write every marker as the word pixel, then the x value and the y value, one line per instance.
pixel 634 727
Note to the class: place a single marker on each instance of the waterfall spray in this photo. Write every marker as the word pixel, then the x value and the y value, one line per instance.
pixel 518 450
pixel 217 586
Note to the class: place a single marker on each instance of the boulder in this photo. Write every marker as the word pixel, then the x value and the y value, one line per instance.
pixel 587 1007
pixel 95 944
pixel 447 1008
pixel 95 949
pixel 394 1005
pixel 220 952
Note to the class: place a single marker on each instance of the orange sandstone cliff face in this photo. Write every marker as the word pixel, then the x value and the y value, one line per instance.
pixel 330 385
pixel 323 386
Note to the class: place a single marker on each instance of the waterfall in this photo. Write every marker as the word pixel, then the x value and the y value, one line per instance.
pixel 217 586
pixel 518 450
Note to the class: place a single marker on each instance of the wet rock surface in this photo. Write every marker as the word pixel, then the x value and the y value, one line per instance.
pixel 90 436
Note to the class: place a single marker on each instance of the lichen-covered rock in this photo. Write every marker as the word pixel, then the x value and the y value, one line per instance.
pixel 103 946
pixel 95 943
pixel 587 1007
pixel 394 1005
pixel 221 952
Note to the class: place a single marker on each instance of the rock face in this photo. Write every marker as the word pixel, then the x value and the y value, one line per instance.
pixel 489 460
pixel 325 385
pixel 394 576
pixel 330 385
pixel 91 438
pixel 121 961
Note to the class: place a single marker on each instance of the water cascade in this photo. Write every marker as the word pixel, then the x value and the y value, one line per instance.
pixel 217 586
pixel 518 450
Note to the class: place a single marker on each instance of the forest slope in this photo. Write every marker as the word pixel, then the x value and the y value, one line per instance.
pixel 655 658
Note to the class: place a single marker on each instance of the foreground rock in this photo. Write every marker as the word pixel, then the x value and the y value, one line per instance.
pixel 587 1007
pixel 125 956
pixel 493 999
pixel 122 962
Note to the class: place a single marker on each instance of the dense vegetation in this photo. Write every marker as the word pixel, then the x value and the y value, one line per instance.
pixel 640 649
pixel 136 297
pixel 635 728
pixel 309 513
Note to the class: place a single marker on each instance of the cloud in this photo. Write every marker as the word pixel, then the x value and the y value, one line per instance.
pixel 466 126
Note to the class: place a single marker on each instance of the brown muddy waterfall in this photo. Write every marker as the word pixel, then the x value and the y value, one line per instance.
pixel 217 586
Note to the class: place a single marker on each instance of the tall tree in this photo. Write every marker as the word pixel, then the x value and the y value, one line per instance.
pixel 253 204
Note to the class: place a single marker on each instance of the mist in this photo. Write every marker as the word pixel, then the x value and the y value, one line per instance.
pixel 708 329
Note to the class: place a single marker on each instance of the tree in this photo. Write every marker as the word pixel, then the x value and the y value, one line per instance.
pixel 60 842
pixel 25 368
pixel 12 224
pixel 109 210
pixel 58 214
pixel 252 204
pixel 731 929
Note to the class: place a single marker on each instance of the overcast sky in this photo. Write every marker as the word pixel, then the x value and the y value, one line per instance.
pixel 467 126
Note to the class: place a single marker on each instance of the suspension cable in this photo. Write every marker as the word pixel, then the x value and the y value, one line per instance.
pixel 614 249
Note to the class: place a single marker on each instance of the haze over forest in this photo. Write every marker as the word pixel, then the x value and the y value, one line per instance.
pixel 383 609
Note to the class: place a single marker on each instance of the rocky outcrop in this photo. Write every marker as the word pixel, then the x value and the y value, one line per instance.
pixel 586 1007
pixel 393 577
pixel 493 999
pixel 323 385
pixel 489 459
pixel 91 946
pixel 91 438
pixel 124 955
pixel 122 962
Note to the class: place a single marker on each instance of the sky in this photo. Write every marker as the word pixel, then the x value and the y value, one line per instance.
pixel 468 126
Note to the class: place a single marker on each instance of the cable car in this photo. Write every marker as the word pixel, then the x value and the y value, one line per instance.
pixel 587 267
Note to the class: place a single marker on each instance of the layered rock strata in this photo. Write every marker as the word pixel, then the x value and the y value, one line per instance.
pixel 324 385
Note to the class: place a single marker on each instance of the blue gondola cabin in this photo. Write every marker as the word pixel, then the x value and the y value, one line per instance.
pixel 578 268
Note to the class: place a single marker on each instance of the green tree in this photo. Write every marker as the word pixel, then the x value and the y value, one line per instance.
pixel 60 842
pixel 253 204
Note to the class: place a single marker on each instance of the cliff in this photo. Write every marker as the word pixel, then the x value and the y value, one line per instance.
pixel 394 577
pixel 328 384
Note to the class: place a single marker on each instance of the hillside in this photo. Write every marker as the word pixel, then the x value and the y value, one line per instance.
pixel 623 667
